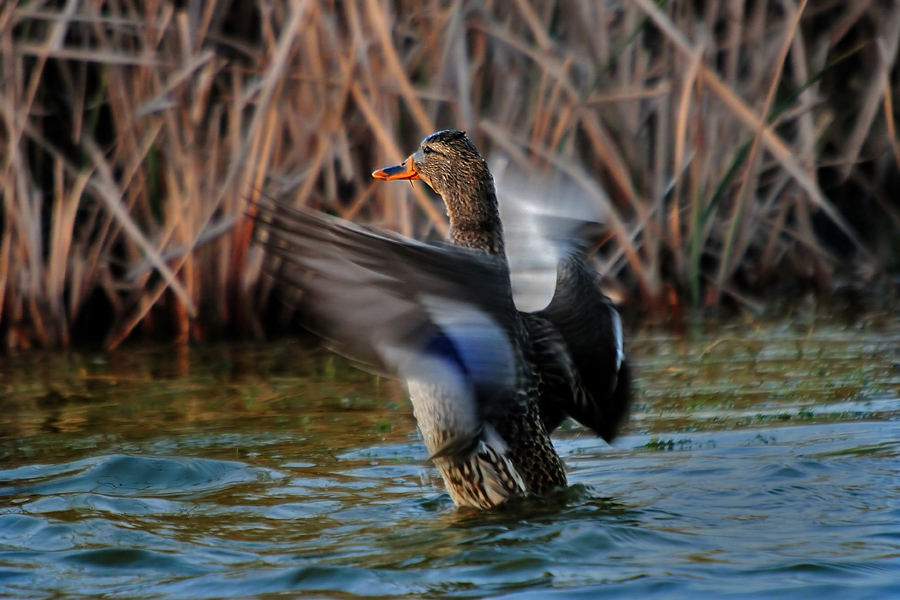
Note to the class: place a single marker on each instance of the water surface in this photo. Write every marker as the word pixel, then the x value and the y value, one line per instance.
pixel 761 460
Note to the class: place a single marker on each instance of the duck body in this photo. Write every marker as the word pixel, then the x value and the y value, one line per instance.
pixel 488 383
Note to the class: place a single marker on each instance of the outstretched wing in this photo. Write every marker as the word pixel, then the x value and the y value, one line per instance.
pixel 593 360
pixel 574 330
pixel 441 316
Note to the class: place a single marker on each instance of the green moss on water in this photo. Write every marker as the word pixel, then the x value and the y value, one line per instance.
pixel 805 413
pixel 665 445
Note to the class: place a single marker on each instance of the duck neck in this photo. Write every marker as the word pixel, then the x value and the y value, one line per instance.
pixel 474 214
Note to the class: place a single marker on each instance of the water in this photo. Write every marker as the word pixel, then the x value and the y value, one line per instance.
pixel 760 461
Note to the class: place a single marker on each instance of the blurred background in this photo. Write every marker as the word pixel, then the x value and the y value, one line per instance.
pixel 744 153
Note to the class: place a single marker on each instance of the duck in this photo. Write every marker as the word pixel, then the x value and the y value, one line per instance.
pixel 488 383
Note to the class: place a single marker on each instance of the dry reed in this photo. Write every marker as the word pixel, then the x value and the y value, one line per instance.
pixel 134 137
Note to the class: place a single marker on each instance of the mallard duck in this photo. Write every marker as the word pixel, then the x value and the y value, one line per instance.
pixel 488 383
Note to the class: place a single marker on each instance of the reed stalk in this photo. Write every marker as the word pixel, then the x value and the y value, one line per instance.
pixel 732 146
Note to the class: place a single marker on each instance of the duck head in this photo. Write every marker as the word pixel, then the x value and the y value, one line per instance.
pixel 450 164
pixel 442 158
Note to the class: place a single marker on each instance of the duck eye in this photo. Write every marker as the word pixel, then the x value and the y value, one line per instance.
pixel 427 149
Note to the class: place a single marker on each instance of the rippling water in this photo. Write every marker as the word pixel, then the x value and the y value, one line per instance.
pixel 760 461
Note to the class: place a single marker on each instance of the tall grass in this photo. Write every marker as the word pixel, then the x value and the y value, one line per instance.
pixel 134 137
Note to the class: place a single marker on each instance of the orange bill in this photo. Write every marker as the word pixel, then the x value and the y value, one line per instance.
pixel 401 171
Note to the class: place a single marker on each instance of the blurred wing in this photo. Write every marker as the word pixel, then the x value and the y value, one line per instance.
pixel 545 218
pixel 438 315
